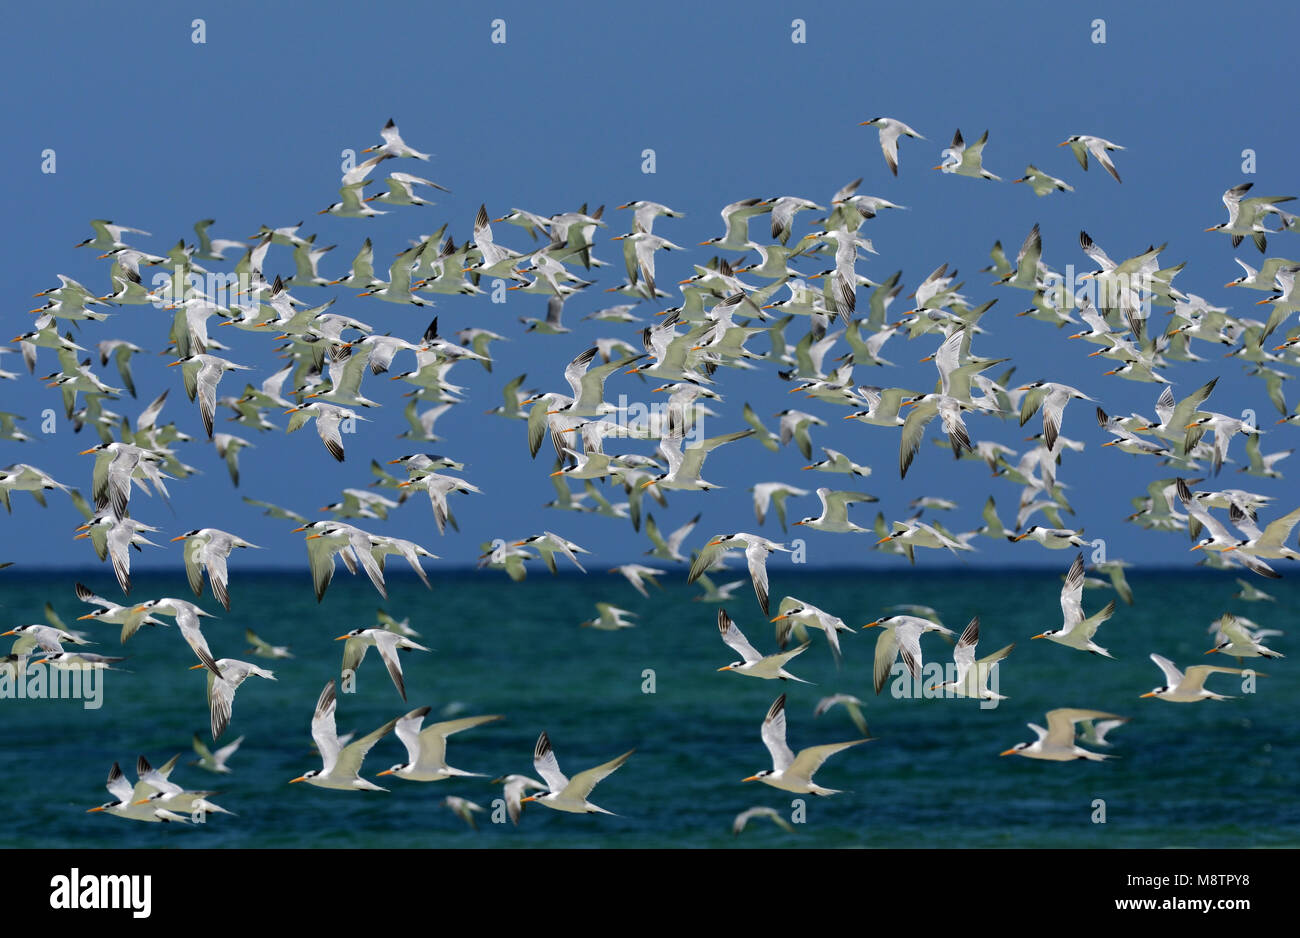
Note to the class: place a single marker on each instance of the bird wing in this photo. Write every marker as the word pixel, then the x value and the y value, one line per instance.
pixel 963 654
pixel 327 425
pixel 1173 677
pixel 889 146
pixel 1198 511
pixel 693 456
pixel 1277 532
pixel 408 731
pixel 675 539
pixel 1060 724
pixel 354 753
pixel 914 432
pixel 386 644
pixel 756 554
pixel 580 785
pixel 117 784
pixel 563 547
pixel 320 555
pixel 1098 149
pixel 576 369
pixel 734 638
pixel 433 738
pixel 886 652
pixel 1234 631
pixel 773 733
pixel 1186 409
pixel 323 731
pixel 1194 677
pixel 1096 253
pixel 705 559
pixel 548 767
pixel 810 760
pixel 221 701
pixel 1072 594
pixel 908 636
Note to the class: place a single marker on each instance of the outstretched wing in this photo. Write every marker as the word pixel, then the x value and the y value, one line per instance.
pixel 735 639
pixel 773 734
pixel 548 767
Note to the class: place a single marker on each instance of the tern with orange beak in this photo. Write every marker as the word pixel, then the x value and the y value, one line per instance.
pixel 890 130
pixel 1082 145
pixel 187 620
pixel 792 772
pixel 394 145
pixel 548 545
pixel 1235 639
pixel 900 634
pixel 752 663
pixel 388 644
pixel 222 687
pixel 756 549
pixel 426 749
pixel 973 676
pixel 1077 631
pixel 113 614
pixel 834 518
pixel 341 765
pixel 207 549
pixel 563 793
pixel 130 798
pixel 795 615
pixel 1189 686
pixel 1056 743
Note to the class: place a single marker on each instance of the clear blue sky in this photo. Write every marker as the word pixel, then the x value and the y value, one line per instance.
pixel 156 132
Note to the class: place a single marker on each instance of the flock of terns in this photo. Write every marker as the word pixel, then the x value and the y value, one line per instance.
pixel 749 291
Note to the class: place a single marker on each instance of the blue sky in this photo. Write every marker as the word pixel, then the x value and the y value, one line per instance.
pixel 155 131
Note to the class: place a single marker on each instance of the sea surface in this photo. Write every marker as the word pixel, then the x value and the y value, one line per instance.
pixel 1211 774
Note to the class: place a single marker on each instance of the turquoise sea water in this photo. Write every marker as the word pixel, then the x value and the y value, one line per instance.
pixel 1189 775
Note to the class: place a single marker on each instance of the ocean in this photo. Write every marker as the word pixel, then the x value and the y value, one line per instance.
pixel 1210 774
